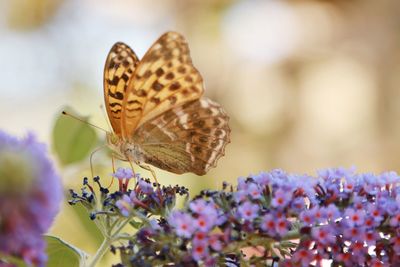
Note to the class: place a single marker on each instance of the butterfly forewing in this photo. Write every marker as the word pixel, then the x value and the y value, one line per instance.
pixel 119 68
pixel 165 78
pixel 187 138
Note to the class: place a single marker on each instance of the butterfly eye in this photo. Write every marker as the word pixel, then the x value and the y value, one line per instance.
pixel 114 139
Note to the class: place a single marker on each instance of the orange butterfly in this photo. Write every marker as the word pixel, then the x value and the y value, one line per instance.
pixel 157 111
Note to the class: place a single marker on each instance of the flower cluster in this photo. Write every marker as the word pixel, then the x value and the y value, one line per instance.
pixel 30 194
pixel 136 206
pixel 340 216
pixel 145 198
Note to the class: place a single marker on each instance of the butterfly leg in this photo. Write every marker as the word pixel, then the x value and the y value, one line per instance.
pixel 148 168
pixel 113 170
pixel 91 158
pixel 130 163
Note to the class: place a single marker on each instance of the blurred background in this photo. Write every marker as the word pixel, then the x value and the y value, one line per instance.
pixel 308 84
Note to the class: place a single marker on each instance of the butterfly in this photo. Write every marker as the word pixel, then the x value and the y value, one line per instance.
pixel 157 111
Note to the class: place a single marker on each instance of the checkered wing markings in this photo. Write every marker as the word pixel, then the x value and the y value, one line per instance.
pixel 165 78
pixel 118 70
pixel 187 138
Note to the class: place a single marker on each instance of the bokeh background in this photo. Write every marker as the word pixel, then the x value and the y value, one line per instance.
pixel 308 84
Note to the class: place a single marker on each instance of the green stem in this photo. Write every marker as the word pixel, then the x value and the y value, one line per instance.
pixel 121 226
pixel 293 234
pixel 109 238
pixel 101 251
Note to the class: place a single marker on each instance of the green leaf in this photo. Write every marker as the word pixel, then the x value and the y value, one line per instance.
pixel 61 254
pixel 136 224
pixel 96 237
pixel 73 140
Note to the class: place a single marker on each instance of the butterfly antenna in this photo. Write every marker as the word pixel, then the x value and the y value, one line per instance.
pixel 81 120
pixel 105 118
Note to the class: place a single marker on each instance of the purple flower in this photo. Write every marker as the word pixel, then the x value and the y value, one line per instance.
pixel 398 199
pixel 198 205
pixel 374 212
pixel 319 214
pixel 240 196
pixel 262 178
pixel 222 218
pixel 358 201
pixel 354 233
pixel 390 177
pixel 395 220
pixel 199 249
pixel 387 204
pixel 215 242
pixel 30 194
pixel 242 185
pixel 396 244
pixel 371 237
pixel 298 204
pixel 359 251
pixel 349 219
pixel 303 256
pixel 325 234
pixel 126 203
pixel 183 223
pixel 248 211
pixel 332 213
pixel 205 223
pixel 210 211
pixel 154 224
pixel 268 224
pixel 281 198
pixel 308 216
pixel 145 187
pixel 349 185
pixel 123 173
pixel 200 236
pixel 354 217
pixel 370 183
pixel 282 226
pixel 254 191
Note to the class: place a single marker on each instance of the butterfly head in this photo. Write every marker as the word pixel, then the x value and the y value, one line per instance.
pixel 113 139
pixel 114 142
pixel 123 149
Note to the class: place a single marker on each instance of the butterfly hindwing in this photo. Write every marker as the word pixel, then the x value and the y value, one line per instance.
pixel 119 68
pixel 187 138
pixel 164 78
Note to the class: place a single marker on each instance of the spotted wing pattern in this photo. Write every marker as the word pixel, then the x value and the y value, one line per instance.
pixel 186 138
pixel 165 78
pixel 119 68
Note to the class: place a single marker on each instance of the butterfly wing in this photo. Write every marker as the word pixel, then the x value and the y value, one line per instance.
pixel 187 138
pixel 119 68
pixel 165 78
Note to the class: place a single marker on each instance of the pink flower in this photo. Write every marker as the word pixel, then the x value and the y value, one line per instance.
pixel 199 250
pixel 248 211
pixel 183 223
